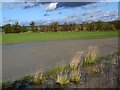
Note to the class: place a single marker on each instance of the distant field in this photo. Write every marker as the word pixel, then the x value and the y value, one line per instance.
pixel 46 36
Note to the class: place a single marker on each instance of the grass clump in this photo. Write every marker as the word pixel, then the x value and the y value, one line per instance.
pixel 75 62
pixel 75 76
pixel 39 78
pixel 91 56
pixel 55 71
pixel 94 70
pixel 6 84
pixel 62 75
pixel 62 79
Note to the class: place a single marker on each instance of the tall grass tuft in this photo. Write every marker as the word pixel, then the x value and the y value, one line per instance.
pixel 61 75
pixel 39 78
pixel 91 55
pixel 62 79
pixel 75 62
pixel 75 76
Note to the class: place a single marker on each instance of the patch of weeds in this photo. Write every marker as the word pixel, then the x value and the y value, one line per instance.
pixel 6 85
pixel 28 78
pixel 53 72
pixel 60 74
pixel 62 79
pixel 39 78
pixel 75 76
pixel 75 62
pixel 94 70
pixel 90 57
pixel 111 56
pixel 67 73
pixel 117 53
pixel 108 57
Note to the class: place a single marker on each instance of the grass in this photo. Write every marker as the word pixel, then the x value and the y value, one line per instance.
pixel 75 62
pixel 39 78
pixel 75 76
pixel 91 55
pixel 46 36
pixel 62 79
pixel 6 84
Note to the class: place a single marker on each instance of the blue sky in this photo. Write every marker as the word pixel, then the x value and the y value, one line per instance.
pixel 45 13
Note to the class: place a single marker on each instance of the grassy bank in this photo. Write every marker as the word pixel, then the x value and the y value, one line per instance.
pixel 46 36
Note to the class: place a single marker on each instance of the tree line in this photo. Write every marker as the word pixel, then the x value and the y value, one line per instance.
pixel 55 27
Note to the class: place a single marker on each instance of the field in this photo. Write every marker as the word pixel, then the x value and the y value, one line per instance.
pixel 46 36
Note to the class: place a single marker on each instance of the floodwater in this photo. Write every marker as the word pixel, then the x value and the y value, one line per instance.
pixel 24 58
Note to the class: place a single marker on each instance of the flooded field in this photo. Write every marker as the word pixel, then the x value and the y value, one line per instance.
pixel 25 58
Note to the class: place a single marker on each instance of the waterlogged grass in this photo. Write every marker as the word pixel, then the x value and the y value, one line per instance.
pixel 63 75
pixel 46 36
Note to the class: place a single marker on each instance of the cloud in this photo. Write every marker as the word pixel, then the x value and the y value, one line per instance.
pixel 109 16
pixel 94 5
pixel 28 5
pixel 91 12
pixel 91 15
pixel 72 4
pixel 51 6
pixel 6 21
pixel 46 5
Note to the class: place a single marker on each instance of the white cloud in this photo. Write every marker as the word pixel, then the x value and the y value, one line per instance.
pixel 48 6
pixel 51 6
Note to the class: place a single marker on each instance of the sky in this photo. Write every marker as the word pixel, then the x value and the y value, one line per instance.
pixel 48 12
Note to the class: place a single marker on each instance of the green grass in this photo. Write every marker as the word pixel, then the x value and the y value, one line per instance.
pixel 46 36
